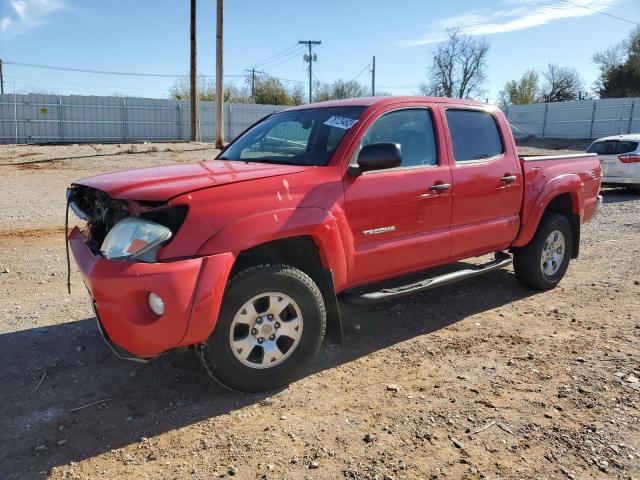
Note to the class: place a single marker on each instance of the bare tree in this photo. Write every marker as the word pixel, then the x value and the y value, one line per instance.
pixel 458 67
pixel 563 84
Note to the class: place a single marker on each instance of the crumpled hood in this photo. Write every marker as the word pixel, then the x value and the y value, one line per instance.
pixel 165 182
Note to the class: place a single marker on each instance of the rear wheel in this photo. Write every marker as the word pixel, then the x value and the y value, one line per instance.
pixel 542 263
pixel 272 321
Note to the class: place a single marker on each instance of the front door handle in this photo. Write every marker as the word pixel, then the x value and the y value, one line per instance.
pixel 509 178
pixel 440 186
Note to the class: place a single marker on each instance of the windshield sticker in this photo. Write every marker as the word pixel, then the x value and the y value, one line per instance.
pixel 341 122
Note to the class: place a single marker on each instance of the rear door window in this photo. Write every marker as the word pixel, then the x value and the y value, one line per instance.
pixel 613 147
pixel 474 135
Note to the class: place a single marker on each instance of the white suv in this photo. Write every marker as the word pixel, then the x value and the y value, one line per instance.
pixel 619 159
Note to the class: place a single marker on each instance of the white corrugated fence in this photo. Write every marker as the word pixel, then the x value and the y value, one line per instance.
pixel 580 119
pixel 36 118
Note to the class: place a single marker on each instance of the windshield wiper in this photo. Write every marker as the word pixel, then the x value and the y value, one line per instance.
pixel 260 160
pixel 267 160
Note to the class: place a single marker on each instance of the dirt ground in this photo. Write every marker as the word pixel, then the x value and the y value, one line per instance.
pixel 483 379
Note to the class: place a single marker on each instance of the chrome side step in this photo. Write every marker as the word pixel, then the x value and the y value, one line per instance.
pixel 502 260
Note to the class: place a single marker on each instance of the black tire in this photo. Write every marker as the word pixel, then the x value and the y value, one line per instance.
pixel 217 355
pixel 527 260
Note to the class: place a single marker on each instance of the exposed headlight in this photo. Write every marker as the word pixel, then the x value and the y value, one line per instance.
pixel 134 238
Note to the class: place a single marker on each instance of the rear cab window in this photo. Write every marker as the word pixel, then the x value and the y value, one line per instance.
pixel 474 135
pixel 613 147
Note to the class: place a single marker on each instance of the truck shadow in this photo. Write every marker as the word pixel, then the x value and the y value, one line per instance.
pixel 618 195
pixel 48 373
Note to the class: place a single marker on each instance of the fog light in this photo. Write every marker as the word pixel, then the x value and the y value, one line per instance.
pixel 156 304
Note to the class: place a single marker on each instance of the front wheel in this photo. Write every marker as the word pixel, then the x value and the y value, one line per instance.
pixel 542 263
pixel 272 321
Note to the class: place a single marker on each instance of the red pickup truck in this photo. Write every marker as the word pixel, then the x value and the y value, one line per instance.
pixel 244 257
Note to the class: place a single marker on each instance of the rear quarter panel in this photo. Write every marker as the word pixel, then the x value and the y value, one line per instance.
pixel 547 177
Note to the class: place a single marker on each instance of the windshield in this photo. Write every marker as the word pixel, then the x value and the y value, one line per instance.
pixel 299 137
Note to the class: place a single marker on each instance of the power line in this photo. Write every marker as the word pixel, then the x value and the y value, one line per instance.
pixel 319 75
pixel 361 72
pixel 287 59
pixel 29 79
pixel 103 72
pixel 273 58
pixel 81 70
pixel 601 12
pixel 276 56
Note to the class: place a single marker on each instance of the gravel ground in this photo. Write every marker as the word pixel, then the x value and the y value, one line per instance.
pixel 483 379
pixel 48 170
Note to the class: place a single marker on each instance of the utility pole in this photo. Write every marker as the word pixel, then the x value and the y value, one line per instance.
pixel 195 121
pixel 220 75
pixel 310 58
pixel 373 77
pixel 1 79
pixel 253 82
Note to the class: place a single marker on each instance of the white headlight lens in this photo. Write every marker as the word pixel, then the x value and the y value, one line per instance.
pixel 132 237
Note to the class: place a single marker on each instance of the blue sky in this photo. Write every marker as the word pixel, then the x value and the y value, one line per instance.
pixel 152 36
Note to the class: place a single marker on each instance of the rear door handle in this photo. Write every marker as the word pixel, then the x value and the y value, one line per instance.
pixel 509 178
pixel 440 186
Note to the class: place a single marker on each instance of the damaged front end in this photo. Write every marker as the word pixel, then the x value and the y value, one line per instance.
pixel 125 230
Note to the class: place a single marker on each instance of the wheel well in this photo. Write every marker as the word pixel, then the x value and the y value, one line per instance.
pixel 302 253
pixel 563 204
pixel 299 252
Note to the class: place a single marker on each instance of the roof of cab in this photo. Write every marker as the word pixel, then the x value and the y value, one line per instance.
pixel 369 101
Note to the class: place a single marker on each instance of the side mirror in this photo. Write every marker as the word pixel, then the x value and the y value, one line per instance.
pixel 379 156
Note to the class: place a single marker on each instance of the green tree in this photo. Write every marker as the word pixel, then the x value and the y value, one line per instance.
pixel 339 90
pixel 620 68
pixel 181 90
pixel 267 90
pixel 521 92
pixel 298 94
pixel 271 91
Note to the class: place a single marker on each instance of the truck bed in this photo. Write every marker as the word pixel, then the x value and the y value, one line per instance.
pixel 577 174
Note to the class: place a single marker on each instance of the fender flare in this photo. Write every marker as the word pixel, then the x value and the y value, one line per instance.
pixel 564 184
pixel 319 224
